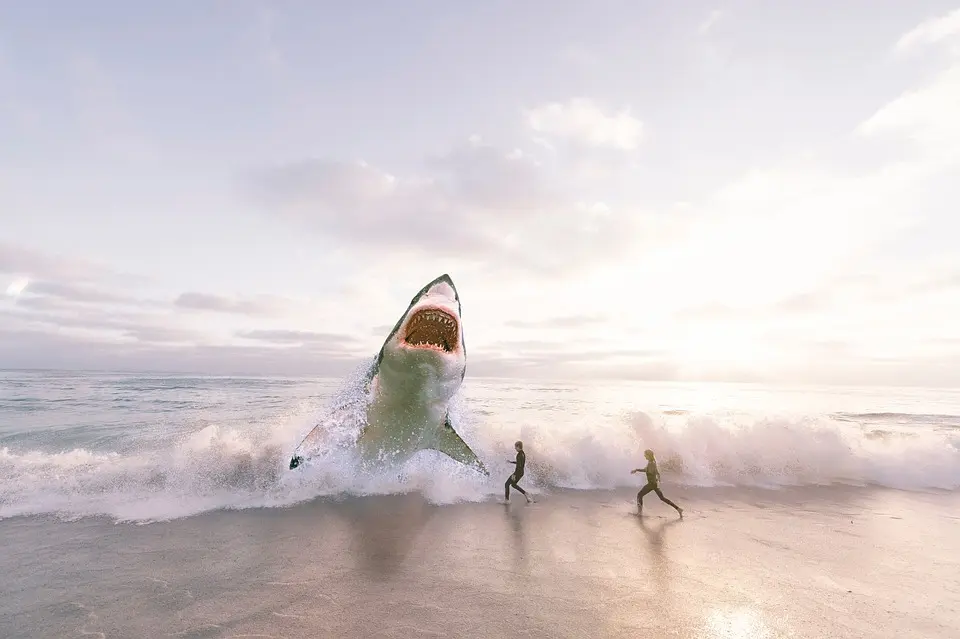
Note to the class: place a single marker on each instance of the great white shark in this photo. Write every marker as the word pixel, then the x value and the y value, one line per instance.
pixel 410 385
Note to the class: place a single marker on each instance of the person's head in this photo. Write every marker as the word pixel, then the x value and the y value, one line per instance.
pixel 518 445
pixel 648 454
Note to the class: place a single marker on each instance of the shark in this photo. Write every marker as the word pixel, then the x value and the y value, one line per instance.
pixel 411 383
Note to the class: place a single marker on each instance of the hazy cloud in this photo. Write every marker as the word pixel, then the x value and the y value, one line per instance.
pixel 382 330
pixel 804 303
pixel 569 321
pixel 583 122
pixel 708 23
pixel 74 293
pixel 926 115
pixel 29 263
pixel 36 349
pixel 553 365
pixel 932 31
pixel 264 305
pixel 830 259
pixel 141 326
pixel 161 334
pixel 476 203
pixel 297 337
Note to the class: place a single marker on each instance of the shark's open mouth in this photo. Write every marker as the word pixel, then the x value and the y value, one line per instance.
pixel 432 327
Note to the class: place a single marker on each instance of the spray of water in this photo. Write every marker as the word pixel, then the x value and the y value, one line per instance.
pixel 221 466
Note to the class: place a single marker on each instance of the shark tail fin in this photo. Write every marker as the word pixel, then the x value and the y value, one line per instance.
pixel 451 444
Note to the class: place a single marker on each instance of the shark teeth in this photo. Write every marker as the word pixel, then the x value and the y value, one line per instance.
pixel 434 316
pixel 432 327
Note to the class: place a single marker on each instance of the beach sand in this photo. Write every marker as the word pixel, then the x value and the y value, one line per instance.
pixel 811 562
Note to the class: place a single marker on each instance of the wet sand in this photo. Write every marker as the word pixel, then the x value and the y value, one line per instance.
pixel 844 562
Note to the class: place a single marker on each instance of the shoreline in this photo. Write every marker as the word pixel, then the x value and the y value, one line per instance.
pixel 870 563
pixel 773 495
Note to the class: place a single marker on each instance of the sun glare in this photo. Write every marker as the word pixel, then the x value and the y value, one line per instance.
pixel 719 348
pixel 736 624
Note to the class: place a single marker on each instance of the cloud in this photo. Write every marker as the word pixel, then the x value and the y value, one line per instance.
pixel 262 305
pixel 17 286
pixel 553 365
pixel 31 349
pixel 105 322
pixel 32 264
pixel 547 352
pixel 297 337
pixel 382 330
pixel 930 32
pixel 710 21
pixel 583 122
pixel 804 302
pixel 161 334
pixel 480 176
pixel 926 115
pixel 73 292
pixel 475 204
pixel 569 321
pixel 370 207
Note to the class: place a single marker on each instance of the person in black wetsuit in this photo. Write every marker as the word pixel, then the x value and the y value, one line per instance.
pixel 653 482
pixel 517 475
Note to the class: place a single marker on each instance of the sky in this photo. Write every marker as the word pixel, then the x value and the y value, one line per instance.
pixel 729 191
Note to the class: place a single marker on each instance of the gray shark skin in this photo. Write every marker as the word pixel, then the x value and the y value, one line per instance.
pixel 418 370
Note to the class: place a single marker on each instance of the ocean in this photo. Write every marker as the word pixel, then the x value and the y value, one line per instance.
pixel 145 505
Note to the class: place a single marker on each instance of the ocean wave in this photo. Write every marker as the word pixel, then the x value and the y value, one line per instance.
pixel 769 452
pixel 196 463
pixel 218 467
pixel 930 419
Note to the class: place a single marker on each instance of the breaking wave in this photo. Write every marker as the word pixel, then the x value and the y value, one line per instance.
pixel 232 466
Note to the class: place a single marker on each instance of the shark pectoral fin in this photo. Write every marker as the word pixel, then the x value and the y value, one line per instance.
pixel 314 438
pixel 449 443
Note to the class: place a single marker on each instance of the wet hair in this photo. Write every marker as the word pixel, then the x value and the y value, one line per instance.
pixel 519 444
pixel 648 454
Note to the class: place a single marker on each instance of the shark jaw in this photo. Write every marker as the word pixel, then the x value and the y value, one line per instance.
pixel 427 342
pixel 418 370
pixel 432 328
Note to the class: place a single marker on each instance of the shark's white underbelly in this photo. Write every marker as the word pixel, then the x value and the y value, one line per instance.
pixel 400 423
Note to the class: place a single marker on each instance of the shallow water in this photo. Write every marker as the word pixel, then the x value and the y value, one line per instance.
pixel 744 563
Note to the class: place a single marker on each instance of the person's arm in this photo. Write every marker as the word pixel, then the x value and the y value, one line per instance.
pixel 639 470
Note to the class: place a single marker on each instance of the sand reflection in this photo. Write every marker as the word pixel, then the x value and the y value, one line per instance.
pixel 661 565
pixel 515 518
pixel 385 529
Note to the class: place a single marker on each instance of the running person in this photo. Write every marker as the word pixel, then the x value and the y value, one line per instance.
pixel 653 482
pixel 517 475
